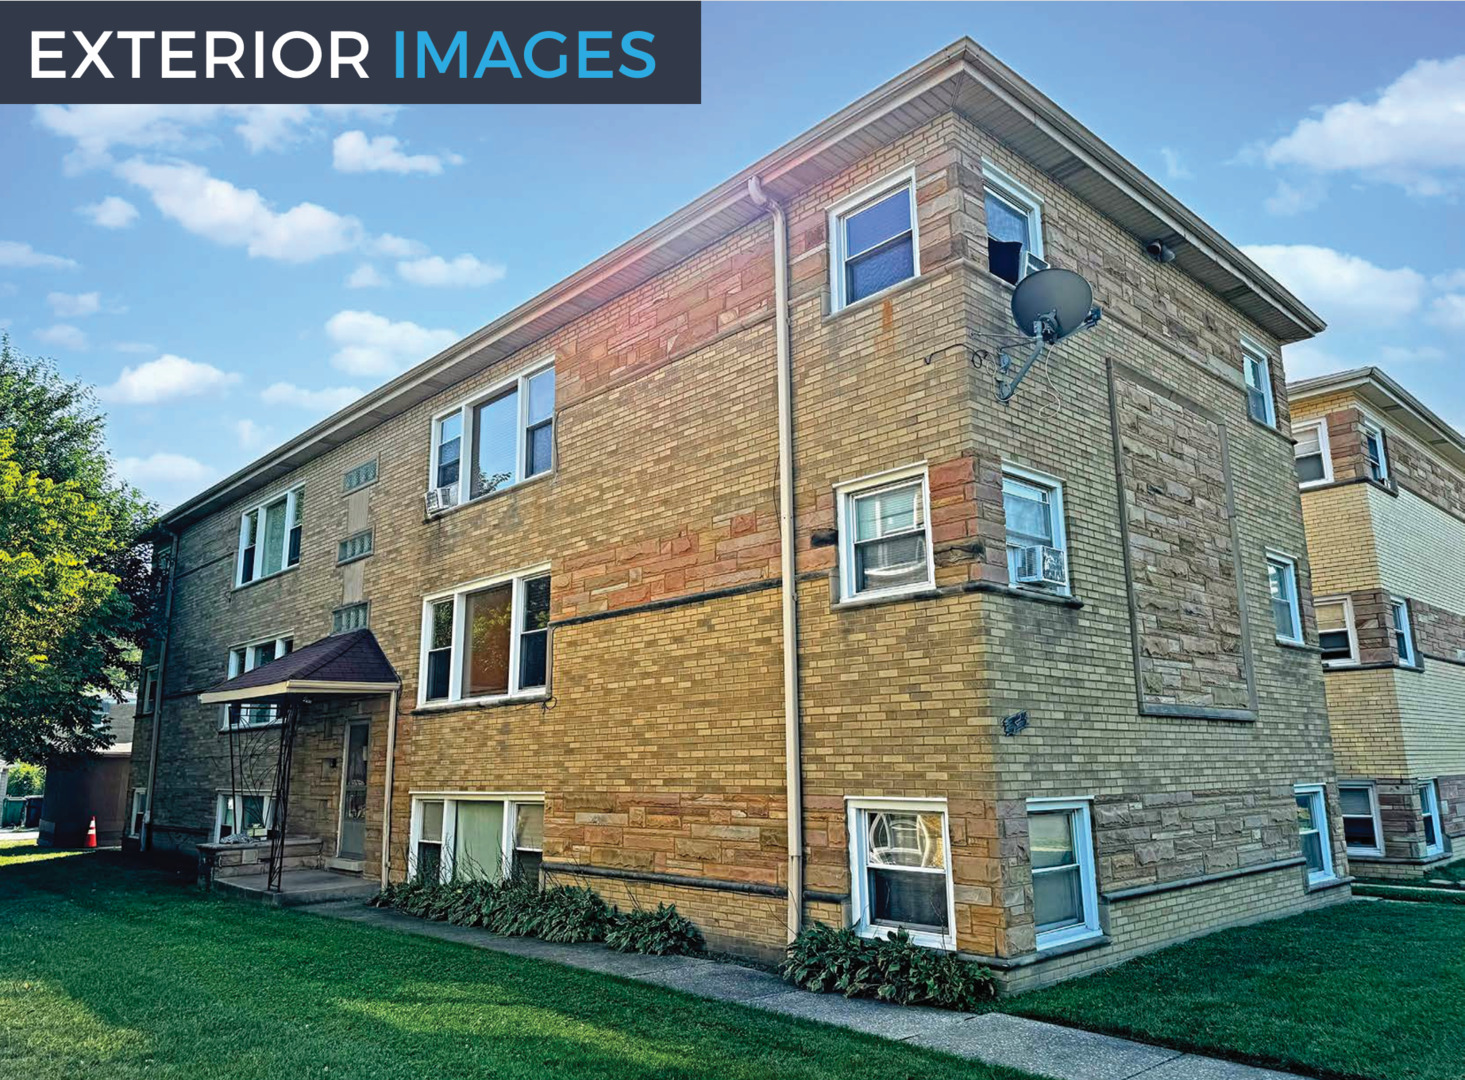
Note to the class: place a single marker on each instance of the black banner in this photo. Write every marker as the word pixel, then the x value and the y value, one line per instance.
pixel 363 53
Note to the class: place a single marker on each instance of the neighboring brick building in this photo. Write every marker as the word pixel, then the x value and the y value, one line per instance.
pixel 633 514
pixel 1383 497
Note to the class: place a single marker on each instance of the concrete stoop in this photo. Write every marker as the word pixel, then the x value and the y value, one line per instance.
pixel 299 887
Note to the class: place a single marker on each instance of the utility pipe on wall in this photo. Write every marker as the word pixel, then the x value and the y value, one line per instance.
pixel 387 798
pixel 793 755
pixel 146 842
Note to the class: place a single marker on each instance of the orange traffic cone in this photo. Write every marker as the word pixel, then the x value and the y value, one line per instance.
pixel 91 832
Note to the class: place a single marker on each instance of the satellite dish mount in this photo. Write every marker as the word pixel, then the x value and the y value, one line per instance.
pixel 1047 306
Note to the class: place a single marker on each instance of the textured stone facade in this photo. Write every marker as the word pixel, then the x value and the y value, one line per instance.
pixel 658 748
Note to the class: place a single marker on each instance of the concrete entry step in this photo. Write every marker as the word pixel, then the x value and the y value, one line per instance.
pixel 299 887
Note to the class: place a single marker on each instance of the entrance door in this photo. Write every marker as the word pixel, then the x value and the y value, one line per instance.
pixel 353 794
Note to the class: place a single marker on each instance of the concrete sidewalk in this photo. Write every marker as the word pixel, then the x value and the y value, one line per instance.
pixel 994 1038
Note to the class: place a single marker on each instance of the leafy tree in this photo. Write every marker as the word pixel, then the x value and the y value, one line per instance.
pixel 25 779
pixel 75 580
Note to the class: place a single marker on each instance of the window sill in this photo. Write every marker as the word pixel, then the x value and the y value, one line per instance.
pixel 490 496
pixel 355 558
pixel 1022 592
pixel 875 298
pixel 466 704
pixel 921 592
pixel 267 577
pixel 1364 853
pixel 1063 942
pixel 1300 646
pixel 924 938
pixel 243 728
pixel 1332 881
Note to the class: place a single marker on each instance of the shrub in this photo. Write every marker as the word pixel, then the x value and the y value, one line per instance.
pixel 824 960
pixel 514 908
pixel 569 913
pixel 662 932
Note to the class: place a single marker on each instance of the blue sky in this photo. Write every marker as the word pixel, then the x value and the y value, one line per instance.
pixel 228 276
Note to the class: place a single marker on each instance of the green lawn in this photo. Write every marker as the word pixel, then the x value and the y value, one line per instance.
pixel 111 970
pixel 1364 989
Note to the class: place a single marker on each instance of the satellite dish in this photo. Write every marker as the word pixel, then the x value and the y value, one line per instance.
pixel 1053 302
pixel 1047 305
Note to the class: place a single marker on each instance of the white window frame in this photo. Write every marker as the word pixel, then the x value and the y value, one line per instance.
pixel 1324 830
pixel 1404 628
pixel 237 666
pixel 1255 352
pixel 856 807
pixel 291 496
pixel 1324 449
pixel 512 800
pixel 1431 808
pixel 459 594
pixel 1372 427
pixel 221 800
pixel 1347 602
pixel 845 495
pixel 136 809
pixel 1082 810
pixel 1373 807
pixel 1278 558
pixel 518 382
pixel 1021 199
pixel 852 204
pixel 1059 523
pixel 147 691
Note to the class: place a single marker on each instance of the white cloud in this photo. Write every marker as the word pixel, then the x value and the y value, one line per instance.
pixel 466 271
pixel 74 305
pixel 113 212
pixel 371 344
pixel 164 468
pixel 1448 311
pixel 324 401
pixel 1344 289
pixel 1455 279
pixel 1305 359
pixel 167 378
pixel 356 152
pixel 18 254
pixel 241 217
pixel 97 129
pixel 63 336
pixel 365 276
pixel 396 247
pixel 253 436
pixel 1291 199
pixel 1174 167
pixel 1412 134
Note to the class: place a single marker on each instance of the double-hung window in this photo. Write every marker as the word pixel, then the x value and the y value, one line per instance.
pixel 1037 553
pixel 885 534
pixel 1375 457
pixel 486 640
pixel 1363 831
pixel 1429 808
pixel 1311 457
pixel 269 537
pixel 1014 226
pixel 1065 894
pixel 1335 633
pixel 1257 367
pixel 1312 829
pixel 250 816
pixel 493 441
pixel 485 837
pixel 1282 585
pixel 1403 632
pixel 901 869
pixel 147 690
pixel 873 241
pixel 244 658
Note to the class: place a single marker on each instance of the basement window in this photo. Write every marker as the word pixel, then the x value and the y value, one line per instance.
pixel 873 241
pixel 476 837
pixel 1312 828
pixel 1335 632
pixel 1065 896
pixel 1362 828
pixel 486 641
pixel 269 537
pixel 1014 226
pixel 1311 456
pixel 509 435
pixel 244 658
pixel 902 869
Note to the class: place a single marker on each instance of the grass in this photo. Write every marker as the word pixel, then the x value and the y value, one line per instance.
pixel 112 970
pixel 1357 990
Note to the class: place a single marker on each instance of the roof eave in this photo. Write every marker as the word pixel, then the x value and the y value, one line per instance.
pixel 1386 395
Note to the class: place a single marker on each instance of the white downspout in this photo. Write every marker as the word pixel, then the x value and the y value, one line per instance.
pixel 793 755
pixel 146 841
pixel 387 799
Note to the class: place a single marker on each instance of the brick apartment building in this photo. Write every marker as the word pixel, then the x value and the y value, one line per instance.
pixel 1383 498
pixel 565 534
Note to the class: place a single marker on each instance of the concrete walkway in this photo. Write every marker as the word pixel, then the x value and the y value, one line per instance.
pixel 994 1038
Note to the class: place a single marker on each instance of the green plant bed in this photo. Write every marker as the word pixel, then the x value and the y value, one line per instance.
pixel 1416 893
pixel 826 960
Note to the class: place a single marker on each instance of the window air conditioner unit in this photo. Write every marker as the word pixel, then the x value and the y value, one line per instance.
pixel 439 499
pixel 1040 565
pixel 1032 264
